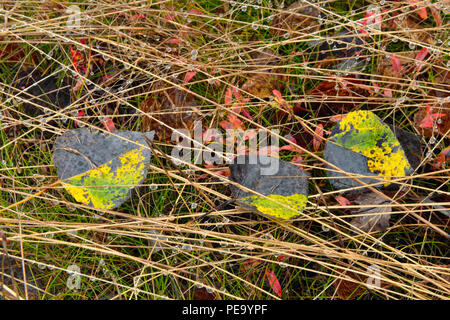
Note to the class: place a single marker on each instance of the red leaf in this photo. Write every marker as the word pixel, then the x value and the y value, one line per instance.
pixel 376 87
pixel 174 41
pixel 189 75
pixel 233 123
pixel 78 84
pixel 343 201
pixel 237 123
pixel 273 282
pixel 388 93
pixel 291 148
pixel 317 141
pixel 246 114
pixel 427 121
pixel 79 115
pixel 76 56
pixel 109 125
pixel 436 16
pixel 226 125
pixel 396 64
pixel 366 19
pixel 106 77
pixel 135 17
pixel 291 138
pixel 421 56
pixel 225 173
pixel 170 17
pixel 277 94
pixel 228 96
pixel 297 161
pixel 194 10
pixel 422 12
pixel 237 94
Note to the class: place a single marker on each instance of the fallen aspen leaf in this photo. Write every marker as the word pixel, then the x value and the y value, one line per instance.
pixel 284 184
pixel 363 144
pixel 100 170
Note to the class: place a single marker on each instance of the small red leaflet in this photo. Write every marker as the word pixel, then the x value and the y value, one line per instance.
pixel 273 282
pixel 396 64
pixel 277 94
pixel 427 121
pixel 109 125
pixel 174 41
pixel 76 57
pixel 78 115
pixel 387 93
pixel 421 55
pixel 189 75
pixel 422 12
pixel 228 96
pixel 297 161
pixel 343 201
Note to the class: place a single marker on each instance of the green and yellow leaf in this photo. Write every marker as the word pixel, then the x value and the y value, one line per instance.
pixel 363 132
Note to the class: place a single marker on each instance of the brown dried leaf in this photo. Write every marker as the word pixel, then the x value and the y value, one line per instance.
pixel 11 52
pixel 389 77
pixel 411 30
pixel 441 78
pixel 265 79
pixel 377 218
pixel 203 294
pixel 349 290
pixel 349 95
pixel 262 85
pixel 173 107
pixel 297 17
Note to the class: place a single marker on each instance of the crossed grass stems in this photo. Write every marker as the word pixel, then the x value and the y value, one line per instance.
pixel 51 230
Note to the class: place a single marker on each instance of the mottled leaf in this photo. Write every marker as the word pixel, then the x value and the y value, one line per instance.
pixel 363 144
pixel 100 170
pixel 284 184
